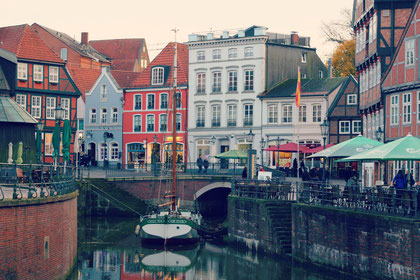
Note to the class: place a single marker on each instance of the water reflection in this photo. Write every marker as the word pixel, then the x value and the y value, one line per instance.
pixel 124 258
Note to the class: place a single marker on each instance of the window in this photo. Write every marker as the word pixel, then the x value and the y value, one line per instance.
pixel 232 53
pixel 150 101
pixel 103 154
pixel 137 102
pixel 201 83
pixel 217 82
pixel 320 74
pixel 81 124
pixel 137 123
pixel 114 151
pixel 287 114
pixel 302 113
pixel 406 108
pixel 22 71
pixel 48 144
pixel 164 101
pixel 21 100
pixel 217 54
pixel 163 122
pixel 409 52
pixel 178 100
pixel 248 114
pixel 249 52
pixel 232 115
pixel 395 110
pixel 104 114
pixel 38 72
pixel 103 93
pixel 418 106
pixel 215 116
pixel 150 123
pixel 233 81
pixel 344 127
pixel 36 106
pixel 157 76
pixel 201 56
pixel 114 112
pixel 92 116
pixel 249 80
pixel 316 113
pixel 273 114
pixel 303 57
pixel 178 122
pixel 65 104
pixel 53 74
pixel 50 107
pixel 201 116
pixel 351 99
pixel 303 75
pixel 357 127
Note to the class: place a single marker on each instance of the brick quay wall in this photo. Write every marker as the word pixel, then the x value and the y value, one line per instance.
pixel 364 244
pixel 38 237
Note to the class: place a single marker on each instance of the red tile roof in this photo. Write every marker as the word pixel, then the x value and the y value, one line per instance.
pixel 123 52
pixel 84 78
pixel 124 78
pixel 166 58
pixel 26 44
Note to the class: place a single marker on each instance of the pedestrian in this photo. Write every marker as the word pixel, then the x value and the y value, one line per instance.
pixel 295 167
pixel 409 179
pixel 244 173
pixel 199 163
pixel 400 184
pixel 206 164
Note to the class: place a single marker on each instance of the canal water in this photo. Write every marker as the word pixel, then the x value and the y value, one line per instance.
pixel 108 249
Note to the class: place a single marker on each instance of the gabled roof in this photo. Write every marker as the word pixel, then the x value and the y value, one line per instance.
pixel 10 111
pixel 166 58
pixel 84 78
pixel 123 52
pixel 287 88
pixel 124 78
pixel 340 93
pixel 83 50
pixel 26 44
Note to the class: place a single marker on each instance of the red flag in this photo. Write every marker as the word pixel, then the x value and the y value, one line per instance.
pixel 297 98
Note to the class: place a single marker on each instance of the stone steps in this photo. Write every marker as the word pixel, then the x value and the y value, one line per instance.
pixel 280 218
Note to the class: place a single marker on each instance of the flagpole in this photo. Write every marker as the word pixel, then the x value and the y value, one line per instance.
pixel 297 101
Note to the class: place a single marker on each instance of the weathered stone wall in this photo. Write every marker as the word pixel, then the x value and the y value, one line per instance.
pixel 369 245
pixel 38 237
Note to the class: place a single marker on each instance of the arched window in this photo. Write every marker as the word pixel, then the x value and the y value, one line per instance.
pixel 114 151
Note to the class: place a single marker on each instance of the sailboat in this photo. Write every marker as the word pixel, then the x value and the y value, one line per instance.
pixel 171 226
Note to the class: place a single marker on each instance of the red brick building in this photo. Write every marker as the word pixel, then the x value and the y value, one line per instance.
pixel 43 82
pixel 148 110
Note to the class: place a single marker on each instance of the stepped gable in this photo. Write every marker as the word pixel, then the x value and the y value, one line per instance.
pixel 24 42
pixel 124 78
pixel 84 78
pixel 166 58
pixel 123 52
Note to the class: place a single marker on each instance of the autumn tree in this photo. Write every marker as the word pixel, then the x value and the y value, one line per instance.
pixel 343 59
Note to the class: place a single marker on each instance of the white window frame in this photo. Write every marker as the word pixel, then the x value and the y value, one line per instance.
pixel 287 113
pixel 350 97
pixel 201 56
pixel 303 114
pixel 178 121
pixel 93 116
pixel 21 100
pixel 157 75
pixel 134 123
pixel 249 52
pixel 232 110
pixel 36 105
pixel 53 74
pixel 354 131
pixel 150 117
pixel 216 82
pixel 103 151
pixel 216 115
pixel 104 116
pixel 114 151
pixel 232 53
pixel 149 96
pixel 320 74
pixel 273 114
pixel 103 94
pixel 201 83
pixel 163 119
pixel 50 104
pixel 248 114
pixel 249 80
pixel 406 107
pixel 135 101
pixel 161 98
pixel 344 125
pixel 114 115
pixel 304 57
pixel 48 147
pixel 217 54
pixel 38 73
pixel 316 113
pixel 65 104
pixel 409 52
pixel 232 81
pixel 200 115
pixel 22 71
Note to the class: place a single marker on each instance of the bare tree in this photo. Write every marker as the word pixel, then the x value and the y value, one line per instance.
pixel 339 31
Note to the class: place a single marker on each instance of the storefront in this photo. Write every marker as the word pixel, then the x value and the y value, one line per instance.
pixel 136 155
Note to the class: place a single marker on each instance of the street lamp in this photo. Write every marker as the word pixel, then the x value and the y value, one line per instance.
pixel 39 128
pixel 250 137
pixel 324 132
pixel 154 155
pixel 278 152
pixel 379 133
pixel 262 144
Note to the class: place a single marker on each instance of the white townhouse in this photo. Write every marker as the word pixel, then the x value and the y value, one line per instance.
pixel 226 75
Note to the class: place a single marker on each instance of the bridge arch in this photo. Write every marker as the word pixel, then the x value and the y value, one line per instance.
pixel 200 192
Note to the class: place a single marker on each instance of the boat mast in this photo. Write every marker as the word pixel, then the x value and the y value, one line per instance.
pixel 174 100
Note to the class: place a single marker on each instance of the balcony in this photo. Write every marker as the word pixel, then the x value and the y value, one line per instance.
pixel 215 123
pixel 201 90
pixel 200 123
pixel 248 122
pixel 217 89
pixel 231 123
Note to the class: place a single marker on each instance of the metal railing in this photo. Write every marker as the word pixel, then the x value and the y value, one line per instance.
pixel 274 189
pixel 19 181
pixel 387 200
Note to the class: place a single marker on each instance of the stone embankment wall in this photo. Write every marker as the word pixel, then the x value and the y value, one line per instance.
pixel 364 244
pixel 38 237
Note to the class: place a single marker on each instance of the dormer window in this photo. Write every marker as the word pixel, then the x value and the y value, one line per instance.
pixel 38 73
pixel 157 76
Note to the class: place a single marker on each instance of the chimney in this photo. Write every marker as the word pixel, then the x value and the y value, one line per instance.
pixel 85 39
pixel 294 38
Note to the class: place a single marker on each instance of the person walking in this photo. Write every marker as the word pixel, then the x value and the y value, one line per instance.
pixel 206 164
pixel 400 184
pixel 199 163
pixel 244 173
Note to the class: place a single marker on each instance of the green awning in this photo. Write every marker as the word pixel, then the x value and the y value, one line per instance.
pixel 348 148
pixel 233 154
pixel 407 148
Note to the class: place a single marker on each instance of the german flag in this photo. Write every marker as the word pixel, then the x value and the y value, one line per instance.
pixel 297 98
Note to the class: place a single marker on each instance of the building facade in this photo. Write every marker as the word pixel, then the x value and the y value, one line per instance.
pixel 148 120
pixel 226 74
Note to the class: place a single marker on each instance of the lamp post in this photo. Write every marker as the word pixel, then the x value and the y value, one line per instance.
pixel 154 155
pixel 59 112
pixel 250 137
pixel 278 153
pixel 39 128
pixel 324 132
pixel 262 144
pixel 379 133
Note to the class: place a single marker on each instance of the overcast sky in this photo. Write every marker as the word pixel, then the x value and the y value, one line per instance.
pixel 153 20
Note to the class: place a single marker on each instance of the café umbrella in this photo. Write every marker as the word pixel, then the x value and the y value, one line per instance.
pixel 56 142
pixel 19 159
pixel 66 140
pixel 233 154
